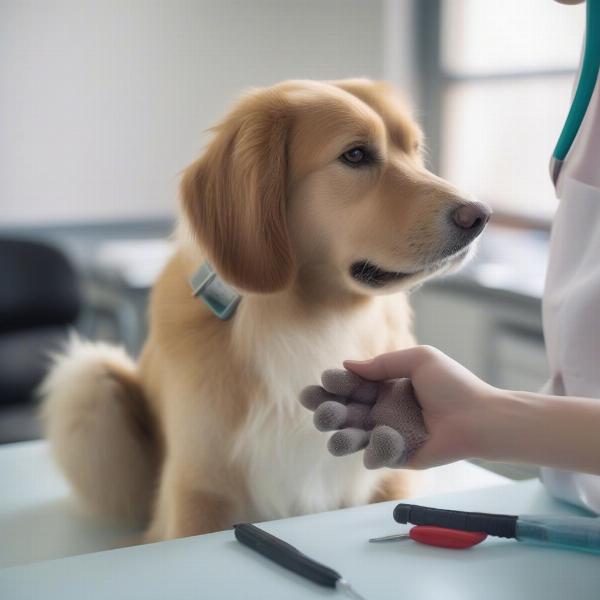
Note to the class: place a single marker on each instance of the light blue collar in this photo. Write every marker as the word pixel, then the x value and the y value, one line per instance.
pixel 219 296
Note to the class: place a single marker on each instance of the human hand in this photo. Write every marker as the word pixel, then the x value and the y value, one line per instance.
pixel 382 417
pixel 457 407
pixel 464 417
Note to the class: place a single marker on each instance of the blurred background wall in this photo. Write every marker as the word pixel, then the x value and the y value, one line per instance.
pixel 103 103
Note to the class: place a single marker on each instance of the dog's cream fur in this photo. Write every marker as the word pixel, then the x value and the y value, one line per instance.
pixel 206 429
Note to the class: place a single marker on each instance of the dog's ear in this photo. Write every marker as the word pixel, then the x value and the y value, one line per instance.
pixel 235 196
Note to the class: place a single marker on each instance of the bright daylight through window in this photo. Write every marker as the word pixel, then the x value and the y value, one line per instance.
pixel 508 70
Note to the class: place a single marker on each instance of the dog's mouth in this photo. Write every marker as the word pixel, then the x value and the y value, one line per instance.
pixel 366 272
pixel 370 274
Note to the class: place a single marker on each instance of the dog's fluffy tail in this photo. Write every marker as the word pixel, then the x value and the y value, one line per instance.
pixel 100 431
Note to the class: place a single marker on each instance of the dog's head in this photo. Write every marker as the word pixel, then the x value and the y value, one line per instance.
pixel 323 184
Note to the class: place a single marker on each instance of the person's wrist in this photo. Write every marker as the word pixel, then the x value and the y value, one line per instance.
pixel 491 424
pixel 507 425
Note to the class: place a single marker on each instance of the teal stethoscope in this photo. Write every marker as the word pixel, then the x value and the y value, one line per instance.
pixel 585 88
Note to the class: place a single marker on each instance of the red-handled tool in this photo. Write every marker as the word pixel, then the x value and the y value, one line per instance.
pixel 437 536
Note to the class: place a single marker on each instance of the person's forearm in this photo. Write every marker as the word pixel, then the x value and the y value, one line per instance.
pixel 553 431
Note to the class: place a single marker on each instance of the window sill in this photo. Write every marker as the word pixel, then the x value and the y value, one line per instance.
pixel 509 262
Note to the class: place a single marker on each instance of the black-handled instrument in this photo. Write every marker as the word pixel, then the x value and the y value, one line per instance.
pixel 573 533
pixel 496 525
pixel 291 558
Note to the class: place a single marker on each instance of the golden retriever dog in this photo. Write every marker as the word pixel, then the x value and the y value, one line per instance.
pixel 313 201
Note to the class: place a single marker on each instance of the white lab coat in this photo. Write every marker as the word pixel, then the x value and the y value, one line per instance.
pixel 571 307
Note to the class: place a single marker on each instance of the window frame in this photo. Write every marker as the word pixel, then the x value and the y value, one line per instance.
pixel 436 79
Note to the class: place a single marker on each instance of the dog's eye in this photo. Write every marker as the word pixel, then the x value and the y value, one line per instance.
pixel 355 157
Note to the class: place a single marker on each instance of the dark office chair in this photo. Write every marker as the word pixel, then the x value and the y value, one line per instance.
pixel 39 300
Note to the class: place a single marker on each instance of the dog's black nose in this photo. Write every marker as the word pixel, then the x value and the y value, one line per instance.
pixel 471 216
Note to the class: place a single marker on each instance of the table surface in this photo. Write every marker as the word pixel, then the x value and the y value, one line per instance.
pixel 39 519
pixel 216 566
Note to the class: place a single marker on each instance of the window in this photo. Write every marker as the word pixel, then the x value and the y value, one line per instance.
pixel 505 71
